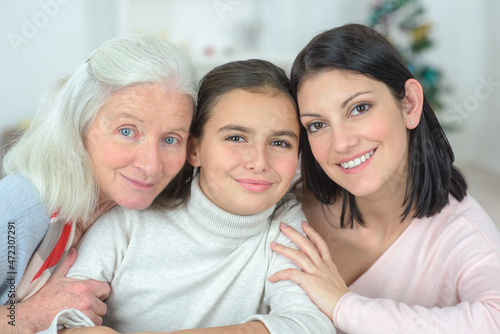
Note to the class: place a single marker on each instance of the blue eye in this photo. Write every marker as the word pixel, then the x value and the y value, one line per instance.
pixel 171 140
pixel 126 132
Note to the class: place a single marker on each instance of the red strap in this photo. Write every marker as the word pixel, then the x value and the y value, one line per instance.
pixel 57 252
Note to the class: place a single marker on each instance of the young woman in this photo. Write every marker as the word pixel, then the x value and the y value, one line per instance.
pixel 111 132
pixel 202 260
pixel 405 249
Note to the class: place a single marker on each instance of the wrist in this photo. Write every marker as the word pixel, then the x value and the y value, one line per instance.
pixel 31 319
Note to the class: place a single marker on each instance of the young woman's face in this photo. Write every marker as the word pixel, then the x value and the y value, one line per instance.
pixel 249 151
pixel 357 131
pixel 137 143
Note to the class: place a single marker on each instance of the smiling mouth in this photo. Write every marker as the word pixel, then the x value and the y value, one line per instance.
pixel 256 186
pixel 358 161
pixel 138 184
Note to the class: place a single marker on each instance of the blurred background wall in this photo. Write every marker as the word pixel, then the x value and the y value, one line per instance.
pixel 43 39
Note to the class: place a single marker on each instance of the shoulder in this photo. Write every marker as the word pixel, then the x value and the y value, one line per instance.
pixel 20 203
pixel 122 220
pixel 289 208
pixel 288 211
pixel 17 194
pixel 465 225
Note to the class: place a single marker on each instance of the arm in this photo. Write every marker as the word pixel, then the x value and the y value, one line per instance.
pixel 479 310
pixel 254 327
pixel 291 310
pixel 318 276
pixel 35 313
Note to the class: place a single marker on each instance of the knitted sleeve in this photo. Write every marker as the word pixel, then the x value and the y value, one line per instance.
pixel 291 310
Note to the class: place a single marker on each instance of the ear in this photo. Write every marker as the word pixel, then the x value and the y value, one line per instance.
pixel 413 103
pixel 192 154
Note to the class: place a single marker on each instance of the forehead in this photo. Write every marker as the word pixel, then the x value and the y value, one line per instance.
pixel 337 84
pixel 247 107
pixel 335 77
pixel 148 98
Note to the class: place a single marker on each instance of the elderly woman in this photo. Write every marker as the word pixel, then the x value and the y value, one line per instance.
pixel 112 132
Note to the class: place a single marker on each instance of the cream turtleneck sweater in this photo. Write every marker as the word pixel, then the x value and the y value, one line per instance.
pixel 196 266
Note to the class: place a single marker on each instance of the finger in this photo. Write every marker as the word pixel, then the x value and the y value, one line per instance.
pixel 302 242
pixel 301 260
pixel 100 289
pixel 96 313
pixel 66 264
pixel 318 242
pixel 97 320
pixel 100 308
pixel 291 274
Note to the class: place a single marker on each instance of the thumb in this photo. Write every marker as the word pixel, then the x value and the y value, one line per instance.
pixel 67 263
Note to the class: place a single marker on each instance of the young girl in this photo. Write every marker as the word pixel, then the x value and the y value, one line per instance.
pixel 203 259
pixel 407 250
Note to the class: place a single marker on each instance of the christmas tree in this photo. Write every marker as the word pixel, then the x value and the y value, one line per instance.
pixel 404 24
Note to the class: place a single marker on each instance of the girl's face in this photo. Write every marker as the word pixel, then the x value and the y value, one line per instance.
pixel 357 131
pixel 249 151
pixel 137 143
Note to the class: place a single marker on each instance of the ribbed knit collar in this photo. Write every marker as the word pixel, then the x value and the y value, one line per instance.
pixel 218 226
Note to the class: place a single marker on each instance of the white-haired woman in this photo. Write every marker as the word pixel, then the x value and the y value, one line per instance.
pixel 112 132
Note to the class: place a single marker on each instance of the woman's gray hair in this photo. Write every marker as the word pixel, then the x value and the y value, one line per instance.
pixel 51 153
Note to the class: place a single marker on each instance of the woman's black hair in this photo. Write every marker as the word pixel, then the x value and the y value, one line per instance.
pixel 253 75
pixel 431 175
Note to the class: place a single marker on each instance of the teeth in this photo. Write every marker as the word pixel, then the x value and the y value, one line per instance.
pixel 357 161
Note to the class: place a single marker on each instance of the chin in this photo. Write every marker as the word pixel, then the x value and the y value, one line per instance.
pixel 138 205
pixel 246 211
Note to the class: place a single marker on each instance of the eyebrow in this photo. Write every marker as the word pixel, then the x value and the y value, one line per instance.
pixel 310 115
pixel 353 96
pixel 343 104
pixel 285 133
pixel 126 115
pixel 244 129
pixel 231 127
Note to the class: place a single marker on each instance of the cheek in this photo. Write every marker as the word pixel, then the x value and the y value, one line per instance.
pixel 379 130
pixel 288 167
pixel 320 149
pixel 172 163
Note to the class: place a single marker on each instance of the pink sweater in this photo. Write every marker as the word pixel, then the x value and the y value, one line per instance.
pixel 442 275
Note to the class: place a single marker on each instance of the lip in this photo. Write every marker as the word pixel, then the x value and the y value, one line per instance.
pixel 356 156
pixel 256 186
pixel 138 184
pixel 357 168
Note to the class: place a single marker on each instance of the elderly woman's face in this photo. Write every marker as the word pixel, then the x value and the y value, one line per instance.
pixel 137 143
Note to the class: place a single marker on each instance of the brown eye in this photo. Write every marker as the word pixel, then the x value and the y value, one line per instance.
pixel 360 109
pixel 234 138
pixel 281 143
pixel 315 126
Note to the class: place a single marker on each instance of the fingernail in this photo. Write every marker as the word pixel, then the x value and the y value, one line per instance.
pixel 305 223
pixel 283 225
pixel 273 244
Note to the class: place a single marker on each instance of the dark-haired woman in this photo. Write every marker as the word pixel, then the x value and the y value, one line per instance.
pixel 395 244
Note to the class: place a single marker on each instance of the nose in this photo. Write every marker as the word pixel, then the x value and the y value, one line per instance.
pixel 343 138
pixel 148 158
pixel 257 160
